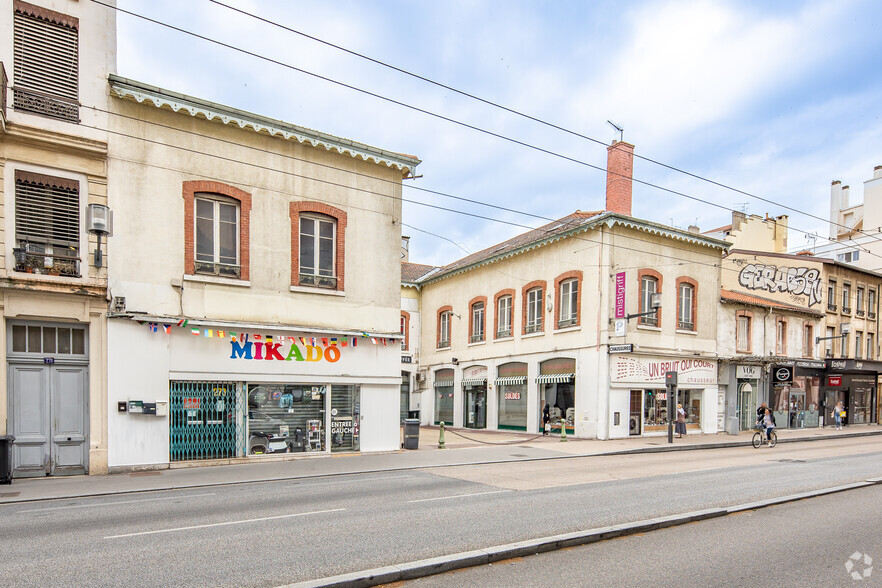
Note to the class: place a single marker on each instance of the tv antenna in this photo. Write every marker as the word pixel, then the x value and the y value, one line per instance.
pixel 616 127
pixel 742 206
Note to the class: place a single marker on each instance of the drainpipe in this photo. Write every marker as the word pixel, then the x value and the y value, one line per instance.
pixel 766 384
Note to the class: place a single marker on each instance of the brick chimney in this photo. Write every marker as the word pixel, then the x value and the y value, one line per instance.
pixel 619 171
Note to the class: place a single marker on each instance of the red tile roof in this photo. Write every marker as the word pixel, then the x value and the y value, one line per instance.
pixel 730 296
pixel 411 272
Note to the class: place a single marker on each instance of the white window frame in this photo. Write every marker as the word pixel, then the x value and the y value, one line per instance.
pixel 859 300
pixel 534 311
pixel 478 330
pixel 871 353
pixel 444 330
pixel 325 277
pixel 846 298
pixel 828 348
pixel 685 307
pixel 503 310
pixel 214 265
pixel 569 303
pixel 858 344
pixel 742 333
pixel 646 300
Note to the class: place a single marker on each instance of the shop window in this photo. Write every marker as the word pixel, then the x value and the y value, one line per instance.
pixel 345 417
pixel 533 303
pixel 476 319
pixel 780 337
pixel 686 304
pixel 650 283
pixel 47 224
pixel 511 390
pixel 46 79
pixel 743 334
pixel 444 396
pixel 285 418
pixel 216 230
pixel 504 314
pixel 444 316
pixel 655 408
pixel 691 401
pixel 808 340
pixel 318 235
pixel 567 288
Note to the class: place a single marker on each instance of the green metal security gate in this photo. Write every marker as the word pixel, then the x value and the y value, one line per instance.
pixel 205 420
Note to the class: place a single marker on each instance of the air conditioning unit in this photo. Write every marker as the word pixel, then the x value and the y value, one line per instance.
pixel 118 304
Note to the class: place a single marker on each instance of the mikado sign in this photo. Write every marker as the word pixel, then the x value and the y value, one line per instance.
pixel 276 351
pixel 651 370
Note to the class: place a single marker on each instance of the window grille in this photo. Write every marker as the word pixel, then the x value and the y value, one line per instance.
pixel 47 224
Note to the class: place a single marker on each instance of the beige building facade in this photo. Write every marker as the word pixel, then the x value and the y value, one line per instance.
pixel 53 166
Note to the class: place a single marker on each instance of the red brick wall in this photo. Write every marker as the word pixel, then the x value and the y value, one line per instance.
pixel 295 209
pixel 190 188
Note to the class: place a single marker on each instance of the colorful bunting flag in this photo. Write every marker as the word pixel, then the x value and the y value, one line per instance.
pixel 221 334
pixel 208 332
pixel 166 328
pixel 325 341
pixel 269 339
pixel 257 337
pixel 373 340
pixel 354 342
pixel 183 322
pixel 195 331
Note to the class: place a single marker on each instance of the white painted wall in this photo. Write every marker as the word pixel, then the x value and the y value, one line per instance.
pixel 380 430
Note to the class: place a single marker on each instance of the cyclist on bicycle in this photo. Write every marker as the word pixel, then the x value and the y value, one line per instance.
pixel 769 424
pixel 761 412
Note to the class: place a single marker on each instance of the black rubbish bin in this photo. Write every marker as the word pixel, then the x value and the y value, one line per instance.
pixel 6 459
pixel 411 433
pixel 413 414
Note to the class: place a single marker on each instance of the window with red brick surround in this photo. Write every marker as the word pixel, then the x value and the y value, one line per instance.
pixel 576 275
pixel 500 294
pixel 405 330
pixel 477 333
pixel 743 340
pixel 190 189
pixel 780 336
pixel 694 318
pixel 653 320
pixel 295 209
pixel 524 290
pixel 449 310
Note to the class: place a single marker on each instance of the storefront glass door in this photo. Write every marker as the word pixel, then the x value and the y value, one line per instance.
pixel 746 409
pixel 475 408
pixel 797 409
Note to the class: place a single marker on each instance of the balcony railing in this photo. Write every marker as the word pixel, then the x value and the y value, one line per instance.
pixel 831 307
pixel 871 315
pixel 223 270
pixel 45 104
pixel 846 310
pixel 859 312
pixel 39 262
pixel 684 326
pixel 502 333
pixel 476 338
pixel 570 322
pixel 828 353
pixel 533 327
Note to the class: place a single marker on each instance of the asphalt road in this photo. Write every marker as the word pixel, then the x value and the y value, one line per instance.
pixel 800 544
pixel 275 533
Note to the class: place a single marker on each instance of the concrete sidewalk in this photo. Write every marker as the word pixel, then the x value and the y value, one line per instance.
pixel 463 447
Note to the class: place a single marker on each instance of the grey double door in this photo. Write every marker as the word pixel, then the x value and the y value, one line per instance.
pixel 48 414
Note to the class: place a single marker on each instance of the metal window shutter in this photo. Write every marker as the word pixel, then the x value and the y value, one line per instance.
pixel 46 57
pixel 47 214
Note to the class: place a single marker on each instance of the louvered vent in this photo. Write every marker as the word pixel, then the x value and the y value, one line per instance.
pixel 46 64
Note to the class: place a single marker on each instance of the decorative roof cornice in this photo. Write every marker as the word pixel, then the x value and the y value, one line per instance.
pixel 143 93
pixel 573 225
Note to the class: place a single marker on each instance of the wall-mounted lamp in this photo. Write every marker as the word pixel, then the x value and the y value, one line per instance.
pixel 454 361
pixel 654 304
pixel 99 221
pixel 844 328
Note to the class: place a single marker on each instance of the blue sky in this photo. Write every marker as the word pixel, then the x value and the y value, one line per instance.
pixel 776 99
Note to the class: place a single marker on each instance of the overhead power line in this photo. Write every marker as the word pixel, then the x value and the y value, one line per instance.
pixel 443 117
pixel 520 113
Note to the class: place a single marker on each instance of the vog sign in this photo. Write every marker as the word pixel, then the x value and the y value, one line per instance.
pixel 748 372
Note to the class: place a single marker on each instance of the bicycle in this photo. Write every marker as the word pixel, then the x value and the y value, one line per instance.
pixel 759 437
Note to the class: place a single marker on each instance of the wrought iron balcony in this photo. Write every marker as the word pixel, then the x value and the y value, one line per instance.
pixel 223 270
pixel 38 262
pixel 476 338
pixel 318 281
pixel 443 343
pixel 45 104
pixel 502 333
pixel 535 327
pixel 831 307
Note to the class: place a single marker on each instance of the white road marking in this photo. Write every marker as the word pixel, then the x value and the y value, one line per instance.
pixel 287 516
pixel 460 496
pixel 115 503
pixel 308 485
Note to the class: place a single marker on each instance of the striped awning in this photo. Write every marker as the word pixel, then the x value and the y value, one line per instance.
pixel 511 381
pixel 443 383
pixel 554 378
pixel 474 382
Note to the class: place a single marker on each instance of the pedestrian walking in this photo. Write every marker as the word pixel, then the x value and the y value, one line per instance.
pixel 838 414
pixel 546 419
pixel 681 421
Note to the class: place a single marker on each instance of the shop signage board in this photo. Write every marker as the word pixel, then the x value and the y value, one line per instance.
pixel 475 372
pixel 620 295
pixel 512 395
pixel 782 374
pixel 834 380
pixel 651 370
pixel 627 348
pixel 748 372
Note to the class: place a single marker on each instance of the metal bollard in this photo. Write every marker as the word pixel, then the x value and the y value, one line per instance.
pixel 441 437
pixel 563 430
